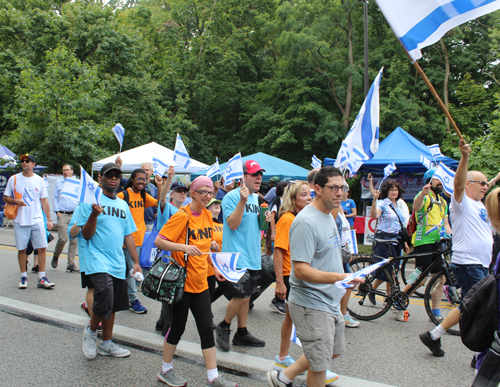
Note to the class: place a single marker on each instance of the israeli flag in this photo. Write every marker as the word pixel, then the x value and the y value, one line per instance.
pixel 426 162
pixel 90 192
pixel 361 142
pixel 316 163
pixel 352 241
pixel 71 188
pixel 293 336
pixel 159 166
pixel 234 169
pixel 28 198
pixel 214 169
pixel 389 169
pixel 447 177
pixel 119 132
pixel 436 152
pixel 181 156
pixel 418 24
pixel 344 284
pixel 226 263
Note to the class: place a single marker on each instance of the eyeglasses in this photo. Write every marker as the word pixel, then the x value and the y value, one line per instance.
pixel 205 193
pixel 394 189
pixel 259 173
pixel 480 182
pixel 27 161
pixel 140 180
pixel 335 188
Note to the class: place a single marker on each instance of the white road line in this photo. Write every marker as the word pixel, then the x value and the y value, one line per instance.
pixel 153 339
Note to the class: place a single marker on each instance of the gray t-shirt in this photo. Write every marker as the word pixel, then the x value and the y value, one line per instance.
pixel 314 239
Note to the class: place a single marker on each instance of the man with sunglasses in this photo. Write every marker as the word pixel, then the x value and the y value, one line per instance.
pixel 27 191
pixel 242 234
pixel 472 240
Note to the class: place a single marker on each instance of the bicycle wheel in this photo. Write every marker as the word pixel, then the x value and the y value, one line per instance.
pixel 367 303
pixel 404 276
pixel 445 305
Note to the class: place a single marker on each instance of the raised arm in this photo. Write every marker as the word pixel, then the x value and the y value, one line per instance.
pixel 461 173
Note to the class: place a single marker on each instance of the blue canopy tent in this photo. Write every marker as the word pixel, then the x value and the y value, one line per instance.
pixel 4 151
pixel 402 149
pixel 273 166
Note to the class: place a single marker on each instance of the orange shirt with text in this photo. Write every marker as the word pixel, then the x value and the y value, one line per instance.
pixel 282 239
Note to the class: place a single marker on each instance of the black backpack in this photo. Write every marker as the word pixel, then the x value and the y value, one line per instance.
pixel 479 314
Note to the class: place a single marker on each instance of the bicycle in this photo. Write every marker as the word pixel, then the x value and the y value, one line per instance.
pixel 367 303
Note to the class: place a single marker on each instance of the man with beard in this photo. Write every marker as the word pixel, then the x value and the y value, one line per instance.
pixel 432 218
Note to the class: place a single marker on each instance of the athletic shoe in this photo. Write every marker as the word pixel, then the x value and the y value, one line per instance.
pixel 433 345
pixel 248 340
pixel 282 364
pixel 84 307
pixel 89 343
pixel 72 269
pixel 350 322
pixel 112 349
pixel 438 317
pixel 278 306
pixel 137 307
pixel 99 327
pixel 44 283
pixel 330 377
pixel 54 262
pixel 401 315
pixel 371 297
pixel 35 269
pixel 273 380
pixel 222 337
pixel 220 382
pixel 171 378
pixel 473 362
pixel 23 284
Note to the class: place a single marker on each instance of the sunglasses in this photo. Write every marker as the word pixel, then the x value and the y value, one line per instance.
pixel 480 182
pixel 259 173
pixel 27 161
pixel 113 176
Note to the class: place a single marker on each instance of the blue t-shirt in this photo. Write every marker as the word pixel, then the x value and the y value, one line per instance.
pixel 220 195
pixel 149 213
pixel 165 215
pixel 104 252
pixel 82 243
pixel 347 206
pixel 246 238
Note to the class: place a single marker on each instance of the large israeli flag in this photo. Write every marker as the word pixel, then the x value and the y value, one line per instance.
pixel 420 23
pixel 361 142
pixel 447 177
pixel 234 169
pixel 436 151
pixel 181 156
pixel 90 192
pixel 316 163
pixel 71 188
pixel 119 132
pixel 159 166
pixel 226 263
pixel 214 169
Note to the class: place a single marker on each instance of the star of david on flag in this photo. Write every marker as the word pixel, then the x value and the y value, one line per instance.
pixel 181 156
pixel 214 169
pixel 446 176
pixel 226 263
pixel 234 169
pixel 90 192
pixel 316 163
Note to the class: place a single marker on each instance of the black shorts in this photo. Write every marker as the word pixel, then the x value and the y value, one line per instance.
pixel 424 262
pixel 110 295
pixel 247 285
pixel 86 281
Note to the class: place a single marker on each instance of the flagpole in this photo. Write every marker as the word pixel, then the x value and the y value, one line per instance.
pixel 242 180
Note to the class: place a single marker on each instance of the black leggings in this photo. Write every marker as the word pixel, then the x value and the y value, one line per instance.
pixel 200 306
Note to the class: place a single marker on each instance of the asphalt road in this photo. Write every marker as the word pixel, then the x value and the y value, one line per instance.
pixel 41 338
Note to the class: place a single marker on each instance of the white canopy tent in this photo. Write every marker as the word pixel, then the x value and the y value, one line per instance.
pixel 133 158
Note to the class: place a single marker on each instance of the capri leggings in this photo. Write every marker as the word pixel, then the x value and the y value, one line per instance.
pixel 200 306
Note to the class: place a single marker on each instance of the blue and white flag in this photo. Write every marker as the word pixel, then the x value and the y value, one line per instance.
pixel 426 162
pixel 351 241
pixel 361 142
pixel 159 166
pixel 181 156
pixel 418 24
pixel 119 132
pixel 214 169
pixel 294 338
pixel 316 163
pixel 234 169
pixel 226 263
pixel 389 169
pixel 90 192
pixel 447 177
pixel 436 151
pixel 28 198
pixel 344 284
pixel 71 188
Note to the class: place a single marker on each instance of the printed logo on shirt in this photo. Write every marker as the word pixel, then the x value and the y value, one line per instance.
pixel 218 228
pixel 252 208
pixel 113 211
pixel 200 234
pixel 483 214
pixel 136 204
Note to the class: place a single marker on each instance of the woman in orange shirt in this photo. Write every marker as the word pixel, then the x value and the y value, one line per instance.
pixel 172 237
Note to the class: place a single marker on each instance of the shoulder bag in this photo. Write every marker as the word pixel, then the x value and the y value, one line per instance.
pixel 10 211
pixel 405 237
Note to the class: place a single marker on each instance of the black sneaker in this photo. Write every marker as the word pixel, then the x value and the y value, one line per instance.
pixel 278 305
pixel 371 297
pixel 54 262
pixel 222 337
pixel 248 340
pixel 72 269
pixel 35 269
pixel 433 345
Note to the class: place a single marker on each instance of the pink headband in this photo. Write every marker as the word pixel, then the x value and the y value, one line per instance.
pixel 200 181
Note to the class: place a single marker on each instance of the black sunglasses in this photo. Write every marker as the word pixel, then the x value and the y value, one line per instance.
pixel 26 161
pixel 259 173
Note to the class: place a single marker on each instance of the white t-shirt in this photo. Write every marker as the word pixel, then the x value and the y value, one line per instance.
pixel 35 187
pixel 472 235
pixel 406 212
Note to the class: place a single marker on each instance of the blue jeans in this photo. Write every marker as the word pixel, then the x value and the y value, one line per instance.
pixel 468 275
pixel 131 282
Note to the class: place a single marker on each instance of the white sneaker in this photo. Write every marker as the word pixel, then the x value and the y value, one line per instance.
pixel 113 350
pixel 350 322
pixel 89 343
pixel 401 315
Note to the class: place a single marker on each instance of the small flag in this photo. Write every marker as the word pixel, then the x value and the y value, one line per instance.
pixel 71 188
pixel 90 192
pixel 234 169
pixel 426 162
pixel 436 152
pixel 226 263
pixel 344 284
pixel 159 166
pixel 28 198
pixel 447 177
pixel 351 241
pixel 214 169
pixel 294 338
pixel 119 132
pixel 316 163
pixel 389 169
pixel 181 156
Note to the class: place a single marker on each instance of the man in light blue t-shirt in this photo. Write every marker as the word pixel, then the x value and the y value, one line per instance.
pixel 241 234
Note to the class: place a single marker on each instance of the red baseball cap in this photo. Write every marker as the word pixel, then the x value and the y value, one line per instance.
pixel 252 166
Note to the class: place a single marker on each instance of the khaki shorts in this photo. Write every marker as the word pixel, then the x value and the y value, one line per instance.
pixel 321 335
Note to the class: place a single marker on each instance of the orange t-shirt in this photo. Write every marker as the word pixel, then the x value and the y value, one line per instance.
pixel 282 239
pixel 200 235
pixel 136 205
pixel 218 239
